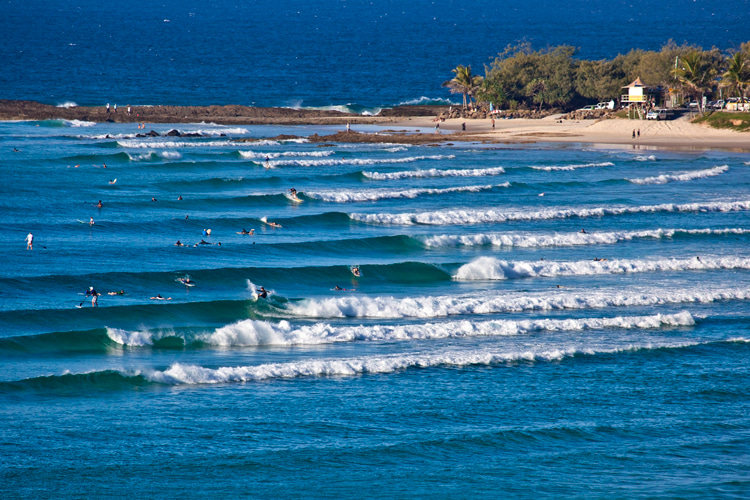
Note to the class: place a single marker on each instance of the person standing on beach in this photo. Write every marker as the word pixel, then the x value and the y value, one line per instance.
pixel 493 123
pixel 348 128
pixel 639 134
pixel 129 109
pixel 29 241
pixel 437 128
pixel 633 133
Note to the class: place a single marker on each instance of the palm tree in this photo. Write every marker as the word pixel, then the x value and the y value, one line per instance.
pixel 694 74
pixel 737 75
pixel 464 82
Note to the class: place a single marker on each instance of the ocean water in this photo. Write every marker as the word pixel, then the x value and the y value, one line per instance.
pixel 350 54
pixel 534 320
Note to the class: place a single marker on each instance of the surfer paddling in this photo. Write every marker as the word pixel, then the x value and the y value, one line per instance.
pixel 246 232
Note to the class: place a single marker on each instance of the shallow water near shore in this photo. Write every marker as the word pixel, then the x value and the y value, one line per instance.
pixel 543 320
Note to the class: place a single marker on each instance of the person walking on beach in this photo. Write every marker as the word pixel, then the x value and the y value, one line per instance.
pixel 29 241
pixel 633 133
pixel 493 123
pixel 639 134
pixel 437 128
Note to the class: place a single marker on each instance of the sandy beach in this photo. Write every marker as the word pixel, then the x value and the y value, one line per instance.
pixel 673 134
pixel 402 122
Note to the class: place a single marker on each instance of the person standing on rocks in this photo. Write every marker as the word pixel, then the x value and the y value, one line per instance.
pixel 107 108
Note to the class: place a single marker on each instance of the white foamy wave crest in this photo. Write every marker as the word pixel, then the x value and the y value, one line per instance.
pixel 686 176
pixel 67 104
pixel 555 168
pixel 450 217
pixel 79 123
pixel 426 101
pixel 179 374
pixel 490 268
pixel 491 303
pixel 356 161
pixel 153 144
pixel 219 131
pixel 151 155
pixel 344 196
pixel 256 333
pixel 255 155
pixel 645 158
pixel 530 240
pixel 434 172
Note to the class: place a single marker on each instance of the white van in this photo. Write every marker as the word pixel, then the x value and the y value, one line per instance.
pixel 659 114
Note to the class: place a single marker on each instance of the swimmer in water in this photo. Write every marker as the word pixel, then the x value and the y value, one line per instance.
pixel 99 205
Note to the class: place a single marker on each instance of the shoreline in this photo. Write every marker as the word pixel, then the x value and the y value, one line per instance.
pixel 678 134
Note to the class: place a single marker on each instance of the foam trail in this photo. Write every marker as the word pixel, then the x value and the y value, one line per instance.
pixel 686 176
pixel 179 374
pixel 492 303
pixel 451 217
pixel 346 196
pixel 645 158
pixel 154 144
pixel 356 161
pixel 434 172
pixel 530 240
pixel 252 155
pixel 567 168
pixel 490 268
pixel 79 123
pixel 255 333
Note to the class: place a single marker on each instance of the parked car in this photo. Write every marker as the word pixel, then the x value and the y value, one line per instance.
pixel 659 114
pixel 588 108
pixel 605 105
pixel 692 104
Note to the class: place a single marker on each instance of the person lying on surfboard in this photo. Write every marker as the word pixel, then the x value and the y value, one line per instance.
pixel 245 231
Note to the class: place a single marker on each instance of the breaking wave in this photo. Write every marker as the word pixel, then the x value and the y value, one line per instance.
pixel 434 172
pixel 490 268
pixel 555 168
pixel 686 176
pixel 450 217
pixel 346 196
pixel 530 240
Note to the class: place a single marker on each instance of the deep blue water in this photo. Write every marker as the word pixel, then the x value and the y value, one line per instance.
pixel 322 53
pixel 483 349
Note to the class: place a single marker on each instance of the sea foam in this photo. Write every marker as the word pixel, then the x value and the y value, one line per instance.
pixel 490 268
pixel 179 374
pixel 531 240
pixel 685 176
pixel 434 172
pixel 258 332
pixel 567 168
pixel 469 216
pixel 346 196
pixel 493 302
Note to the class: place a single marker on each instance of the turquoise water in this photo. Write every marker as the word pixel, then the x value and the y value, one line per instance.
pixel 488 346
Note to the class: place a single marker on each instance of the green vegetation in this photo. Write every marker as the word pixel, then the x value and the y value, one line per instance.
pixel 723 119
pixel 523 78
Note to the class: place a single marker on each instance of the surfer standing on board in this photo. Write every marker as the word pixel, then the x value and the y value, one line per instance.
pixel 355 271
pixel 29 241
pixel 262 293
pixel 94 296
